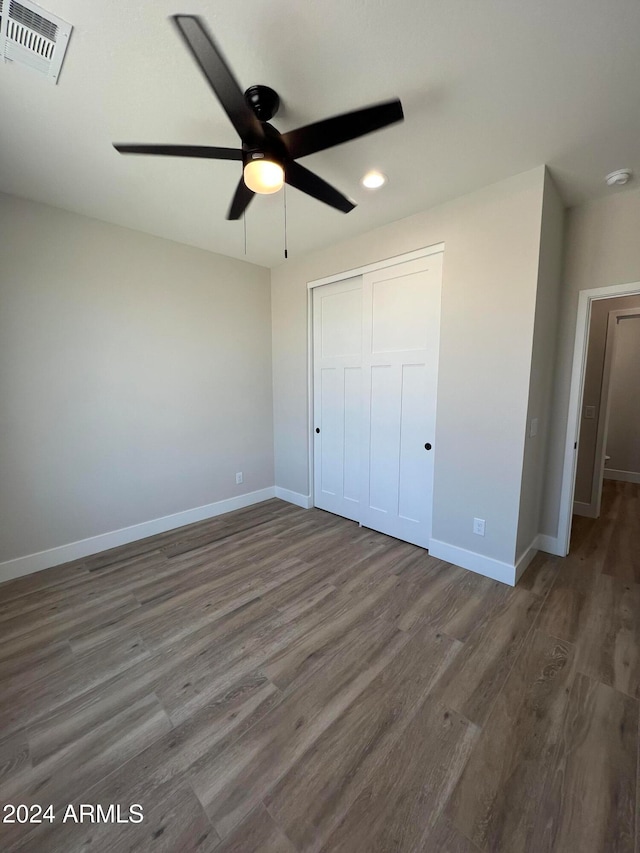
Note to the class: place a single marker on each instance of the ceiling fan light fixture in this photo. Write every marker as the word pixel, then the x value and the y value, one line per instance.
pixel 263 176
pixel 373 180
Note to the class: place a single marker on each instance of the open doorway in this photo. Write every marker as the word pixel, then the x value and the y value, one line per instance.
pixel 609 439
pixel 593 397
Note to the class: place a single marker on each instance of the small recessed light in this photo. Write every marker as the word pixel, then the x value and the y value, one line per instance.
pixel 619 178
pixel 374 180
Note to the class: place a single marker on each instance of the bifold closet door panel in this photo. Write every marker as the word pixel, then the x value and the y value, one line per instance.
pixel 401 325
pixel 337 382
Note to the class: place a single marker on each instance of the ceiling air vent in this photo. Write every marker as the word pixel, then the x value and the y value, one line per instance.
pixel 31 36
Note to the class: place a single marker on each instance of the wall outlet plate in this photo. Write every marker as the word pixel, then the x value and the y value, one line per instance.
pixel 478 526
pixel 239 478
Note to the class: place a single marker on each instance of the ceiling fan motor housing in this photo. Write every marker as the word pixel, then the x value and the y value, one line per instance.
pixel 263 100
pixel 271 147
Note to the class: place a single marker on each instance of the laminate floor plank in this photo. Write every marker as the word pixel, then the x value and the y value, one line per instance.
pixel 168 617
pixel 281 680
pixel 541 574
pixel 212 602
pixel 445 838
pixel 565 610
pixel 59 628
pixel 258 833
pixel 14 753
pixel 22 704
pixel 315 546
pixel 225 528
pixel 237 780
pixel 177 824
pixel 66 576
pixel 316 793
pixel 283 667
pixel 180 534
pixel 590 803
pixel 152 774
pixel 405 798
pixel 473 682
pixel 128 575
pixel 566 607
pixel 213 532
pixel 99 665
pixel 454 600
pixel 60 778
pixel 492 804
pixel 623 556
pixel 33 663
pixel 637 847
pixel 387 558
pixel 609 642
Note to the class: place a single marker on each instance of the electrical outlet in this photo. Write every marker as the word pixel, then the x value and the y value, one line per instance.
pixel 478 526
pixel 238 478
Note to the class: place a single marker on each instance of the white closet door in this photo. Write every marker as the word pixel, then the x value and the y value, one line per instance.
pixel 401 312
pixel 337 381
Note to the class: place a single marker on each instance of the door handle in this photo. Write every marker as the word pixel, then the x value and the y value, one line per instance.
pixel 427 446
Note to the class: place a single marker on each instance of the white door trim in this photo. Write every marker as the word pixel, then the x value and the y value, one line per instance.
pixel 437 248
pixel 585 299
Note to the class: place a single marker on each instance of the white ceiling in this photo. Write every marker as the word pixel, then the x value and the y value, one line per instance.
pixel 490 88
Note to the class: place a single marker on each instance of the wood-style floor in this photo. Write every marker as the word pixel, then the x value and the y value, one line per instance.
pixel 280 680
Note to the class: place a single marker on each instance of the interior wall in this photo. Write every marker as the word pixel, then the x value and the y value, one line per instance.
pixel 488 303
pixel 585 469
pixel 602 249
pixel 135 378
pixel 542 363
pixel 623 434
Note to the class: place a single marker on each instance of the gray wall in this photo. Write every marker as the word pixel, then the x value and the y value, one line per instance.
pixel 492 241
pixel 542 362
pixel 602 249
pixel 135 378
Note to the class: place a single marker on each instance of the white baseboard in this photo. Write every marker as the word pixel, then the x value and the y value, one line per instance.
pixel 296 498
pixel 624 476
pixel 525 558
pixel 550 545
pixel 585 509
pixel 85 547
pixel 487 566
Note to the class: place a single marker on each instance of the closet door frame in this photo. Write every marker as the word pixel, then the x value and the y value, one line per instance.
pixel 437 248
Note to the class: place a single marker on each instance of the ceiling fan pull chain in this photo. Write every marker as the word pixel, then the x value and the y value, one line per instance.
pixel 286 252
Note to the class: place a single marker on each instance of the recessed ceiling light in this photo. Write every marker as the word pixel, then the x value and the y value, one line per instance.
pixel 374 180
pixel 619 178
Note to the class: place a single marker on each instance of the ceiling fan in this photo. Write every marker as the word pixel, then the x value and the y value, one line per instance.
pixel 268 156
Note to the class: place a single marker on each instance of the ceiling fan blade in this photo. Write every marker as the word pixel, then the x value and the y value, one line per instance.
pixel 220 77
pixel 241 199
pixel 206 151
pixel 302 179
pixel 334 131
